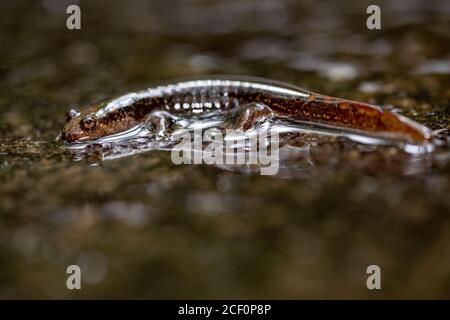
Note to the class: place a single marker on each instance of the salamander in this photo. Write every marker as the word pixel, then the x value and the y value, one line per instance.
pixel 195 98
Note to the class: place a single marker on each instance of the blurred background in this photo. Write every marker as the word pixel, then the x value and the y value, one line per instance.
pixel 141 227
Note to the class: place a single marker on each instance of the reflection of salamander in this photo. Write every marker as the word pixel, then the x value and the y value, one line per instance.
pixel 200 97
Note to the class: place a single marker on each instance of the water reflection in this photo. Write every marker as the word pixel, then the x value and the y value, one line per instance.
pixel 303 151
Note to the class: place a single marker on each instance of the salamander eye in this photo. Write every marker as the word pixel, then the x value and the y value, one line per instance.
pixel 88 122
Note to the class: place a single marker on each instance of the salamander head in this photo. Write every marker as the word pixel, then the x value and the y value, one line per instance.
pixel 86 125
pixel 83 125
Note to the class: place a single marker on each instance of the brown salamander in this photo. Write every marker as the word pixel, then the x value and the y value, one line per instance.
pixel 199 97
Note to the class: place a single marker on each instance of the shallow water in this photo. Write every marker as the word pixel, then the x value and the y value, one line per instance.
pixel 142 227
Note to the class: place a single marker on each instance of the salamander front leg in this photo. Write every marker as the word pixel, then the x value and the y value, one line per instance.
pixel 159 122
pixel 249 116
